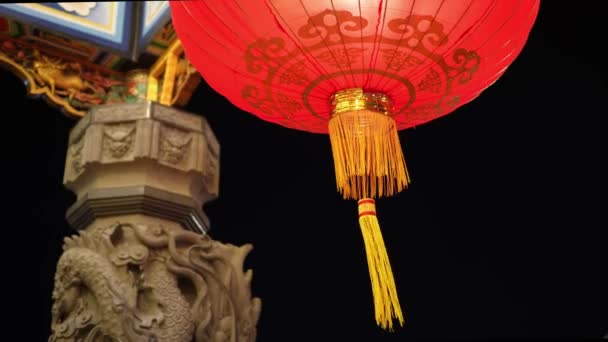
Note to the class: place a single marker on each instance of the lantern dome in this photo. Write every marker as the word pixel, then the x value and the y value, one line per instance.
pixel 283 60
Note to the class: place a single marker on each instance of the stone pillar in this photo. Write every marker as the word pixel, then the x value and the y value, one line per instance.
pixel 142 266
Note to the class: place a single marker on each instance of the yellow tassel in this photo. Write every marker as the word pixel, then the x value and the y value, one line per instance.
pixel 369 163
pixel 386 302
pixel 368 159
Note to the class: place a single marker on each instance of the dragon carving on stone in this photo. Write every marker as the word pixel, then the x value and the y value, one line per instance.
pixel 135 282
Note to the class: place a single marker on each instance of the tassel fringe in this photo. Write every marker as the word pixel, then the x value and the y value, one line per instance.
pixel 386 302
pixel 368 159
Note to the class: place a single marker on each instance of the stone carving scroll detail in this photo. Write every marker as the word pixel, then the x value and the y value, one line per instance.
pixel 131 282
pixel 75 155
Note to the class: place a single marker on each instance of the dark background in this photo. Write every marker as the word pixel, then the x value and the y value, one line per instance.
pixel 499 236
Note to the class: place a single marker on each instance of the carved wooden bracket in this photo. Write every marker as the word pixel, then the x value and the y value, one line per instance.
pixel 172 79
pixel 77 85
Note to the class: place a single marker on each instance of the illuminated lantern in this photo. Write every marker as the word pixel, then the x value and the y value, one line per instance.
pixel 359 70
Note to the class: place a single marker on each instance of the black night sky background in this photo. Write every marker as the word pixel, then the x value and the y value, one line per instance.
pixel 498 237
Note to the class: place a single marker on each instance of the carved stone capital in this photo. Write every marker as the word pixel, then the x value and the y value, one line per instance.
pixel 142 157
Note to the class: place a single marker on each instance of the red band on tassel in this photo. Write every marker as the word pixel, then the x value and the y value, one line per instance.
pixel 367 201
pixel 366 213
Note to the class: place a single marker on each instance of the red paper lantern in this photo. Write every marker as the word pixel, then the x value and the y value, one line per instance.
pixel 388 65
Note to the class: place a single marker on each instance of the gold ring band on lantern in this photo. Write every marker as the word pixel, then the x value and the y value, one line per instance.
pixel 353 99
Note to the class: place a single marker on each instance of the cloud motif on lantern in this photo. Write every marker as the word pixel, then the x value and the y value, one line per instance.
pixel 83 9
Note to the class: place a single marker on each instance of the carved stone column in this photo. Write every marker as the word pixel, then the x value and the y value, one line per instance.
pixel 142 267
